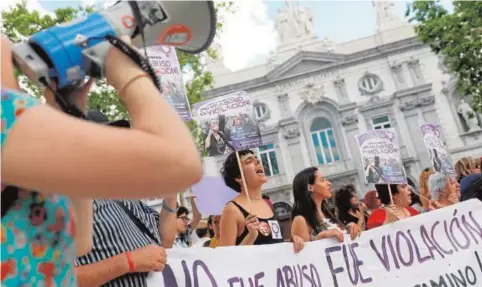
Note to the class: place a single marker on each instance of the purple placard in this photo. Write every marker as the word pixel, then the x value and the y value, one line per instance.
pixel 166 65
pixel 380 154
pixel 228 118
pixel 433 139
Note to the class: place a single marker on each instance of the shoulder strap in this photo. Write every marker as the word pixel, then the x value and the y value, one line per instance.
pixel 142 227
pixel 245 213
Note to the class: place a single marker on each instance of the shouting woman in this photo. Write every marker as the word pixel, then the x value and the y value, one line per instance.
pixel 248 221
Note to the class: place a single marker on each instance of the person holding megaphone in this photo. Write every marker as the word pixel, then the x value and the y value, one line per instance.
pixel 51 159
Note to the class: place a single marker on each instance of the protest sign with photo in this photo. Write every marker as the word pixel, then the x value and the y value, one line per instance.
pixel 228 118
pixel 380 154
pixel 166 65
pixel 433 139
pixel 431 249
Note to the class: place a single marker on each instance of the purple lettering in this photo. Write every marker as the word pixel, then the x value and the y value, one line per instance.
pixel 392 251
pixel 474 278
pixel 233 280
pixel 398 237
pixel 417 251
pixel 432 234
pixel 354 278
pixel 428 242
pixel 296 275
pixel 382 257
pixel 170 278
pixel 455 221
pixel 303 270
pixel 314 272
pixel 280 281
pixel 448 236
pixel 358 263
pixel 333 270
pixel 471 229
pixel 195 267
pixel 478 260
pixel 476 223
pixel 288 275
pixel 257 277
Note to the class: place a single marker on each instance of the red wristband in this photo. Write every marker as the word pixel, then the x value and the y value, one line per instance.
pixel 130 262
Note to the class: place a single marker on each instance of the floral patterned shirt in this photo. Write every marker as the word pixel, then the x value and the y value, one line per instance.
pixel 37 230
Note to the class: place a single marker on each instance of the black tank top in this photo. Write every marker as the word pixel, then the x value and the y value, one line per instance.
pixel 269 232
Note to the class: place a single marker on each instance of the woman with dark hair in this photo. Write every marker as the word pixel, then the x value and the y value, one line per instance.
pixel 312 217
pixel 350 209
pixel 249 221
pixel 392 211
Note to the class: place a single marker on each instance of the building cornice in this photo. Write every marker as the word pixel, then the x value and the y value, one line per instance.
pixel 342 62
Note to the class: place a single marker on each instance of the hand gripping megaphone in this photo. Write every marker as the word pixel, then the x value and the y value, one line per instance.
pixel 69 52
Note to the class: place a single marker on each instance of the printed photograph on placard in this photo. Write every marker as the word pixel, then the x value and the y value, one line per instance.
pixel 433 139
pixel 380 154
pixel 228 118
pixel 166 65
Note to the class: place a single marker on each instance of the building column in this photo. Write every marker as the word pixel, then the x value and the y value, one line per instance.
pixel 415 112
pixel 291 132
pixel 350 124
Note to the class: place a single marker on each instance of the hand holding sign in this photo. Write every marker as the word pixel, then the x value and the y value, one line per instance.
pixel 331 233
pixel 252 224
pixel 149 258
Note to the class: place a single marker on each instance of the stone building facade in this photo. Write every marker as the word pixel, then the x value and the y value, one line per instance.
pixel 312 97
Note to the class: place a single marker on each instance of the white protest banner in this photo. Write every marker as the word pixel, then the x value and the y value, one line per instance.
pixel 228 118
pixel 433 139
pixel 438 248
pixel 164 61
pixel 380 154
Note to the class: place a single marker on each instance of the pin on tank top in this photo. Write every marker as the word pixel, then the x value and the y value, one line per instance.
pixel 269 231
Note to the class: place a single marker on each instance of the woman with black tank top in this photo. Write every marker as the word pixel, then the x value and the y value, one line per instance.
pixel 312 218
pixel 244 222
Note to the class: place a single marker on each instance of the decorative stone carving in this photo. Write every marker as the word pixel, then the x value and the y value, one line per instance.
pixel 469 116
pixel 384 10
pixel 396 68
pixel 370 84
pixel 284 106
pixel 294 22
pixel 291 133
pixel 415 71
pixel 416 103
pixel 339 82
pixel 283 97
pixel 413 61
pixel 312 94
pixel 266 114
pixel 350 120
pixel 341 91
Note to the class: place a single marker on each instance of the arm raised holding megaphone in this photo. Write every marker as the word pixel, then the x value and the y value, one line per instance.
pixel 49 151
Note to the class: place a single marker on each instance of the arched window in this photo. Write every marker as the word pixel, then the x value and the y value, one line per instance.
pixel 324 142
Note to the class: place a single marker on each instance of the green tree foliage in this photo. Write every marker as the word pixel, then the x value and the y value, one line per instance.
pixel 457 37
pixel 19 23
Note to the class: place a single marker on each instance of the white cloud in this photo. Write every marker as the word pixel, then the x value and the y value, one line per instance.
pixel 32 5
pixel 248 34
